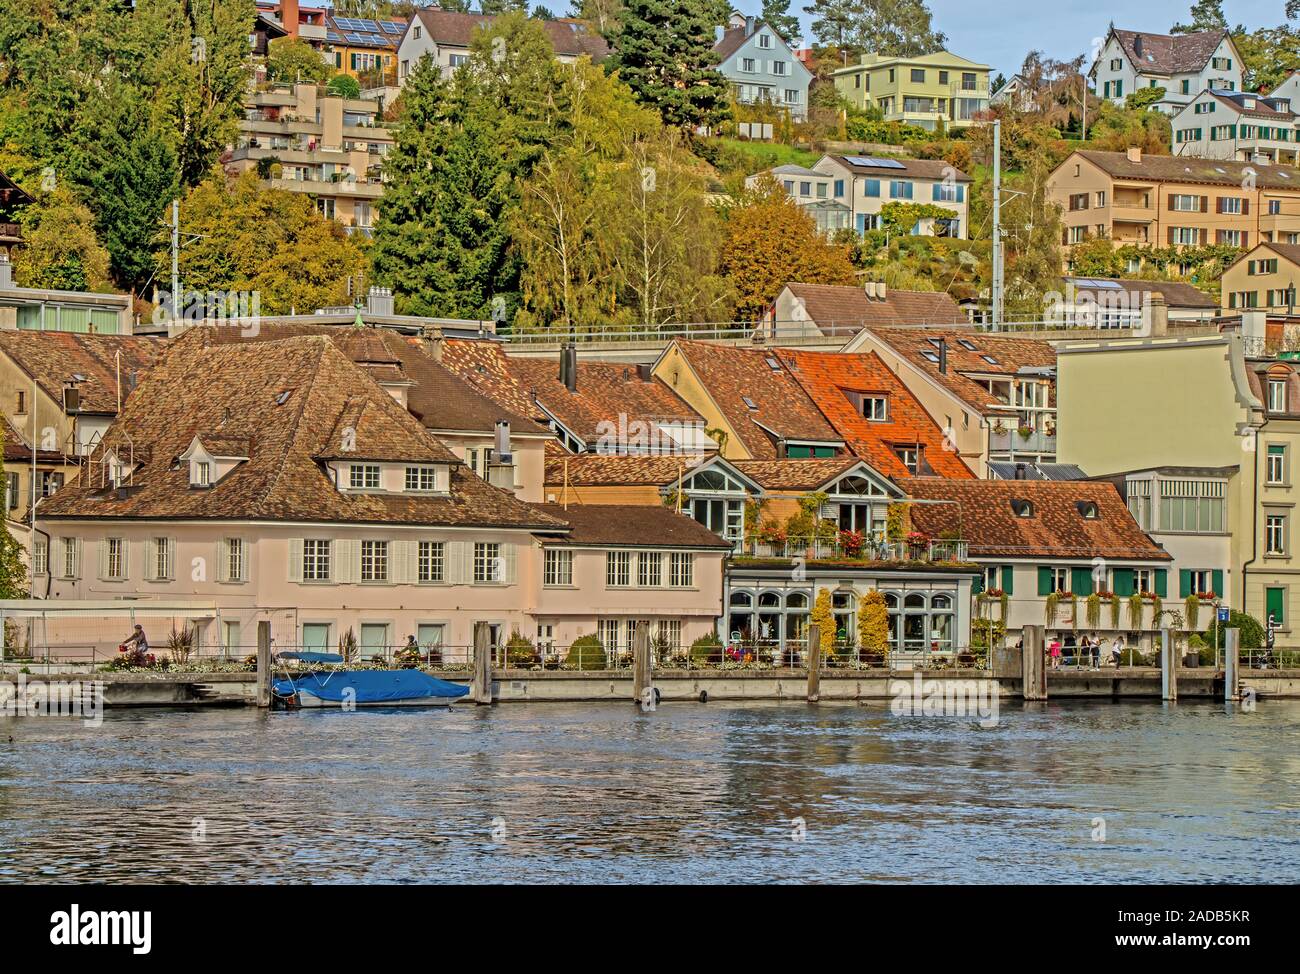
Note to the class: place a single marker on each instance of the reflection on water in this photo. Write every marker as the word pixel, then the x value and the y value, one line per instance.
pixel 690 793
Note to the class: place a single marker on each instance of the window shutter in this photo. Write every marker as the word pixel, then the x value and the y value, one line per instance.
pixel 151 559
pixel 961 194
pixel 1245 239
pixel 1205 204
pixel 222 574
pixel 1184 582
pixel 173 550
pixel 1081 581
pixel 1007 577
pixel 344 564
pixel 1044 581
pixel 1162 583
pixel 1171 201
pixel 935 191
pixel 1245 207
pixel 508 563
pixel 1065 236
pixel 1169 235
pixel 1218 204
pixel 453 562
pixel 103 559
pixel 1216 578
pixel 1124 582
pixel 76 557
pixel 412 556
pixel 1204 235
pixel 399 563
pixel 977 584
pixel 295 559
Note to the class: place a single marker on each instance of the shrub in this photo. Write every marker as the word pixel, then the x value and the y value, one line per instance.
pixel 873 623
pixel 586 653
pixel 520 651
pixel 180 643
pixel 707 649
pixel 1252 631
pixel 345 86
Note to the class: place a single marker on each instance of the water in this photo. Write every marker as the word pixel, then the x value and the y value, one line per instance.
pixel 690 793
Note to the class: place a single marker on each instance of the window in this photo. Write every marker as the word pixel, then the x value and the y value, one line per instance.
pixel 115 562
pixel 202 474
pixel 900 189
pixel 778 68
pixel 943 77
pixel 51 481
pixel 162 552
pixel 11 490
pixel 1059 579
pixel 374 561
pixel 875 408
pixel 1021 507
pixel 747 65
pixel 456 60
pixel 1192 506
pixel 364 476
pixel 910 457
pixel 21 405
pixel 1190 236
pixel 1277 398
pixel 681 572
pixel 235 560
pixel 649 569
pixel 1116 64
pixel 805 189
pixel 1230 204
pixel 618 569
pixel 69 558
pixel 1269 266
pixel 558 569
pixel 792 96
pixel 918 75
pixel 40 557
pixel 487 562
pixel 430 557
pixel 421 478
pixel 1078 201
pixel 1275 534
pixel 1088 510
pixel 1139 502
pixel 316 560
pixel 765 40
pixel 1231 238
pixel 1275 470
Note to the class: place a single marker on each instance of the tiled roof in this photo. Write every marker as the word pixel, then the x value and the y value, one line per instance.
pixel 644 526
pixel 605 392
pixel 483 364
pixel 1009 355
pixel 1184 169
pixel 53 357
pixel 827 376
pixel 291 400
pixel 613 470
pixel 916 168
pixel 848 308
pixel 732 375
pixel 1262 107
pixel 795 474
pixel 1169 53
pixel 1176 293
pixel 568 37
pixel 1290 252
pixel 982 515
pixel 17 447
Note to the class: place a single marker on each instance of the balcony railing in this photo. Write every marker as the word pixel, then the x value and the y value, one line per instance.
pixel 866 551
pixel 1030 430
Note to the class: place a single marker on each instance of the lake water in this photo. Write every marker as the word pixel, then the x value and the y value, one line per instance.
pixel 689 793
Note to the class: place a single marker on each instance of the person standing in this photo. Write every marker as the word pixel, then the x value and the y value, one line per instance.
pixel 1117 649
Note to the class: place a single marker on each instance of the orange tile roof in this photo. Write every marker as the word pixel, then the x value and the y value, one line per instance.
pixel 53 357
pixel 826 376
pixel 795 474
pixel 841 309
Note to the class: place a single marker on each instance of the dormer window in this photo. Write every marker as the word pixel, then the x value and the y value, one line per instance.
pixel 875 408
pixel 1021 507
pixel 364 476
pixel 422 478
pixel 1277 395
pixel 910 457
pixel 1088 510
pixel 200 473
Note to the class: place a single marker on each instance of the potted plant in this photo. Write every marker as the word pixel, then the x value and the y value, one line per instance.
pixel 1025 431
pixel 851 543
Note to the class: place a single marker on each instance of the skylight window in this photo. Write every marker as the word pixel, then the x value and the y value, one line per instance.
pixel 1088 510
pixel 968 345
pixel 753 406
pixel 283 397
pixel 931 356
pixel 1021 507
pixel 773 364
pixel 990 359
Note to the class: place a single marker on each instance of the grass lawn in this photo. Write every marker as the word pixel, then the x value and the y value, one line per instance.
pixel 754 156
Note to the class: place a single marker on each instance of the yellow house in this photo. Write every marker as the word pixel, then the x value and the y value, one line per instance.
pixel 1263 277
pixel 932 91
pixel 1205 463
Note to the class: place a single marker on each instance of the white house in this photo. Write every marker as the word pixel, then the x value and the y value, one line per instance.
pixel 868 183
pixel 1237 125
pixel 1182 64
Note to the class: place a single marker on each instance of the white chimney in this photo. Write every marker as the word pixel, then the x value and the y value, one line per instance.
pixel 1134 153
pixel 6 273
pixel 881 293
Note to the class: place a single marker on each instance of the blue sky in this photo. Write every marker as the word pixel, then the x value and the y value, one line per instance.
pixel 1001 33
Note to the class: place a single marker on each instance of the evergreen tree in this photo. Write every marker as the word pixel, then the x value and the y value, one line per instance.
pixel 663 49
pixel 1206 15
pixel 777 15
pixel 898 27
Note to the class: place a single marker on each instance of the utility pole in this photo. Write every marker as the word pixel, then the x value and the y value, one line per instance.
pixel 997 225
pixel 176 258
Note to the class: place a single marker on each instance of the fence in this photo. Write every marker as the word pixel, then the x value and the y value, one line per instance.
pixel 866 549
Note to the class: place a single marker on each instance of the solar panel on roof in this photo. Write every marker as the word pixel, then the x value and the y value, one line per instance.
pixel 393 26
pixel 333 36
pixel 873 162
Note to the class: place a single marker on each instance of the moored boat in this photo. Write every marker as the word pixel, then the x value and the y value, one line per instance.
pixel 366 688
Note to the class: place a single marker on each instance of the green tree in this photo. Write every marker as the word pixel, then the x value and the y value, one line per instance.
pixel 1143 98
pixel 777 14
pixel 604 16
pixel 13 572
pixel 293 60
pixel 899 27
pixel 344 85
pixel 62 252
pixel 1206 15
pixel 663 50
pixel 1268 56
pixel 494 8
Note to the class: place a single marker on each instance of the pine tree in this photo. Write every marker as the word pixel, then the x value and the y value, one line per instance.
pixel 777 15
pixel 663 50
pixel 1206 15
pixel 897 27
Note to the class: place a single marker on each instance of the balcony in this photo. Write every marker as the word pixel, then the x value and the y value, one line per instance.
pixel 1022 431
pixel 329 187
pixel 864 551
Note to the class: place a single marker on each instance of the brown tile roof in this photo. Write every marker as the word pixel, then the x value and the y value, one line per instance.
pixel 53 357
pixel 1262 107
pixel 1176 293
pixel 627 470
pixel 605 392
pixel 1009 354
pixel 232 390
pixel 916 168
pixel 982 515
pixel 483 364
pixel 1290 252
pixel 568 37
pixel 795 474
pixel 782 408
pixel 849 308
pixel 1169 53
pixel 644 526
pixel 1183 169
pixel 827 376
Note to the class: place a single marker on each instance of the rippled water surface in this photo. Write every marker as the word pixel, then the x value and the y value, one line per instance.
pixel 690 793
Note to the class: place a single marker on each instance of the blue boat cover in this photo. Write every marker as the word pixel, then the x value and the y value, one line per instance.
pixel 369 686
pixel 311 657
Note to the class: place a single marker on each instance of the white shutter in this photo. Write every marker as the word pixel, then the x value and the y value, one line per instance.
pixel 412 555
pixel 347 554
pixel 126 559
pixel 76 557
pixel 222 573
pixel 453 562
pixel 295 559
pixel 173 552
pixel 508 563
pixel 399 562
pixel 150 559
pixel 103 559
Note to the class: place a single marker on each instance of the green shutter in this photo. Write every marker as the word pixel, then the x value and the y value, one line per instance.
pixel 1044 581
pixel 1008 575
pixel 1185 583
pixel 977 584
pixel 1275 605
pixel 1124 581
pixel 1162 583
pixel 1081 581
pixel 1216 578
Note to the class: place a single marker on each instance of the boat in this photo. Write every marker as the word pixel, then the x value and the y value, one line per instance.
pixel 361 688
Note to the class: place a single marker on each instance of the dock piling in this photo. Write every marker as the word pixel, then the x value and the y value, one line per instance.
pixel 482 663
pixel 1033 671
pixel 814 664
pixel 264 663
pixel 1231 657
pixel 641 681
pixel 1168 667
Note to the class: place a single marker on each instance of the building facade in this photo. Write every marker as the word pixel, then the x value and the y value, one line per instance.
pixel 1263 278
pixel 1236 125
pixel 1183 65
pixel 761 67
pixel 935 91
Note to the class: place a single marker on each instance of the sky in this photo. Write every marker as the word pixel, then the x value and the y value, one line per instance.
pixel 1001 32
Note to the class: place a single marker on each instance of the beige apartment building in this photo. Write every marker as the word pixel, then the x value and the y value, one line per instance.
pixel 300 139
pixel 1263 278
pixel 1162 201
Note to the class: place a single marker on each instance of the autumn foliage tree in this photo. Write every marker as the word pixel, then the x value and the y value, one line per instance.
pixel 768 241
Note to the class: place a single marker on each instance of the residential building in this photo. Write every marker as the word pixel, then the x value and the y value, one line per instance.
pixel 1047 548
pixel 1208 469
pixel 1263 278
pixel 1108 302
pixel 1132 198
pixel 364 48
pixel 31 476
pixel 822 196
pixel 13 200
pixel 1015 94
pixel 40 309
pixel 935 91
pixel 302 139
pixel 1183 65
pixel 832 309
pixel 992 396
pixel 296 479
pixel 1237 125
pixel 761 67
pixel 446 36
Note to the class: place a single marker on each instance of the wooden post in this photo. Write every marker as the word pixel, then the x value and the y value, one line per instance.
pixel 814 663
pixel 482 663
pixel 264 663
pixel 1231 657
pixel 1168 667
pixel 641 662
pixel 1033 671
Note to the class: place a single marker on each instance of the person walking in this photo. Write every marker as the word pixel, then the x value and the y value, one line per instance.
pixel 1117 649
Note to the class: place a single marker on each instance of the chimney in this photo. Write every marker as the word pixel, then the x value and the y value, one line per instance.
pixel 503 441
pixel 1137 45
pixel 1134 153
pixel 6 273
pixel 943 356
pixel 881 292
pixel 569 366
pixel 289 16
pixel 1020 471
pixel 1158 312
pixel 750 24
pixel 379 301
pixel 501 468
pixel 645 372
